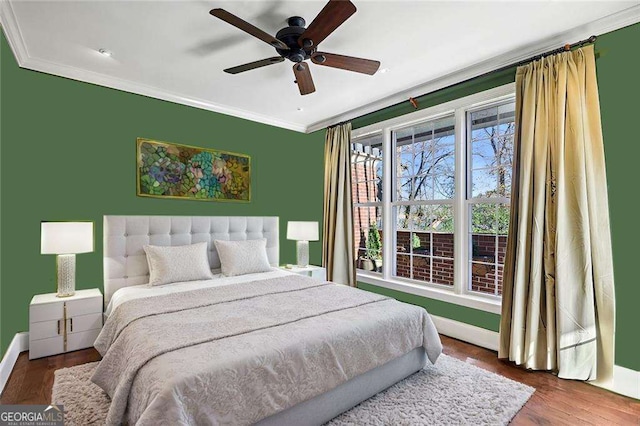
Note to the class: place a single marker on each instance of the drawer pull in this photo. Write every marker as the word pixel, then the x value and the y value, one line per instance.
pixel 71 322
pixel 58 326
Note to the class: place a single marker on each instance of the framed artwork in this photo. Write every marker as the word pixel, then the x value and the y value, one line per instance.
pixel 168 170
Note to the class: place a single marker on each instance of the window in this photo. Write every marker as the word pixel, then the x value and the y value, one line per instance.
pixel 366 189
pixel 431 194
pixel 423 205
pixel 490 144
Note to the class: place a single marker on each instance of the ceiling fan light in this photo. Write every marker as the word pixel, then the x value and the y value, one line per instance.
pixel 105 52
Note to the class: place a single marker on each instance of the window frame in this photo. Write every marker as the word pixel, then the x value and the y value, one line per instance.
pixel 460 294
pixel 400 203
pixel 374 204
pixel 471 201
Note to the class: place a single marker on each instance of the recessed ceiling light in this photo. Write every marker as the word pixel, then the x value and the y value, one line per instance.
pixel 105 52
pixel 384 70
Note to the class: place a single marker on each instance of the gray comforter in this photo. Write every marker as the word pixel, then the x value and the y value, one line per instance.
pixel 239 353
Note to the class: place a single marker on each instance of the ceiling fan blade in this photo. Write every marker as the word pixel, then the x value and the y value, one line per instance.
pixel 349 63
pixel 303 78
pixel 248 28
pixel 254 65
pixel 330 17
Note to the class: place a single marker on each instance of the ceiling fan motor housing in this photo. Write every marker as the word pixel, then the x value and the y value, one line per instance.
pixel 289 36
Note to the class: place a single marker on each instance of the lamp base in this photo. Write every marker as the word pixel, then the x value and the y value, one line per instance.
pixel 66 267
pixel 302 251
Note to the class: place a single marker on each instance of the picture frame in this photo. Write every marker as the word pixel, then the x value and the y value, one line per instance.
pixel 176 171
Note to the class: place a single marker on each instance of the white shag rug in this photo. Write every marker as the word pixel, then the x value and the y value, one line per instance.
pixel 451 392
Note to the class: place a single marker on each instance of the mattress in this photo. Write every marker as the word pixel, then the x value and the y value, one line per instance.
pixel 240 351
pixel 145 290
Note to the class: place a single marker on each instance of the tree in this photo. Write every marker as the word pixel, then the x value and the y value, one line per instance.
pixel 426 172
pixel 374 244
pixel 499 157
pixel 426 168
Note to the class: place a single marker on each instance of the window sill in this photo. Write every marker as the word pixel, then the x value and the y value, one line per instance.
pixel 468 300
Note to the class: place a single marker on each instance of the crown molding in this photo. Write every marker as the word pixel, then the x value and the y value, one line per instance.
pixel 598 27
pixel 16 42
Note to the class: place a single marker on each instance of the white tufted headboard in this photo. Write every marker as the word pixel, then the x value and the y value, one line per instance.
pixel 125 262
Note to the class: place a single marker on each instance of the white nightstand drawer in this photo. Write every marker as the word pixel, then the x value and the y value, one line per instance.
pixel 84 306
pixel 46 329
pixel 317 272
pixel 63 324
pixel 45 312
pixel 45 347
pixel 81 340
pixel 81 323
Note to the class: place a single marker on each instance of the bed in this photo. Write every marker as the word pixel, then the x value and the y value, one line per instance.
pixel 271 348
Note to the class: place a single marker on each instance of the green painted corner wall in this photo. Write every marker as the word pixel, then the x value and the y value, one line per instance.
pixel 619 87
pixel 67 151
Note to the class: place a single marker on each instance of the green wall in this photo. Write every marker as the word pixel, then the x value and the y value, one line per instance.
pixel 617 66
pixel 67 151
pixel 619 89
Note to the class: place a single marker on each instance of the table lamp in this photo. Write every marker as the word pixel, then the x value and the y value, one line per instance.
pixel 66 239
pixel 302 232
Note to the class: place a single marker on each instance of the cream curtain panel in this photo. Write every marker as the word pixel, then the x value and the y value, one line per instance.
pixel 558 306
pixel 337 241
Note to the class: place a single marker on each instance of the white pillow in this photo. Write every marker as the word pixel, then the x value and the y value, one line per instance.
pixel 171 264
pixel 243 257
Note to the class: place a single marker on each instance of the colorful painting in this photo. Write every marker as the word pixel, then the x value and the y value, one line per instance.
pixel 180 171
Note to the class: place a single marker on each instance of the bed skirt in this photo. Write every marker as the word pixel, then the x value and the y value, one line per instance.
pixel 324 407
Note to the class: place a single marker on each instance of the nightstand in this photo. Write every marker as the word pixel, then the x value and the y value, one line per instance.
pixel 317 272
pixel 64 324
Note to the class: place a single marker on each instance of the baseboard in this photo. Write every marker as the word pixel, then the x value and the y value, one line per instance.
pixel 625 381
pixel 466 332
pixel 20 343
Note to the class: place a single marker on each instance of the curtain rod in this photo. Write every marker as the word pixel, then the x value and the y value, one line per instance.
pixel 565 48
pixel 539 56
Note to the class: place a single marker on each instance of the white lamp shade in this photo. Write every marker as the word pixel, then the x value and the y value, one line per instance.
pixel 302 231
pixel 66 237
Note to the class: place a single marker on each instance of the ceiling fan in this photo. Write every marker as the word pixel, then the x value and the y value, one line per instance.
pixel 298 43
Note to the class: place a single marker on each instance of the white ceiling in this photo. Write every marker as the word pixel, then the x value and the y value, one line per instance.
pixel 175 50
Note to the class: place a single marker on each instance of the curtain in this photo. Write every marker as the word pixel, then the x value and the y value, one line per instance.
pixel 558 306
pixel 337 241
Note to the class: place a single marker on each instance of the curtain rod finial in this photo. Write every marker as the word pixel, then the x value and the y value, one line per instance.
pixel 414 103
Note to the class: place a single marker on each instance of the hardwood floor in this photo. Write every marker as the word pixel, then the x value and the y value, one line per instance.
pixel 31 381
pixel 555 402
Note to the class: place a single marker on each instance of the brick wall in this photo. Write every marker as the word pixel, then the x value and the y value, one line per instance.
pixel 364 188
pixel 425 268
pixel 483 274
pixel 483 270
